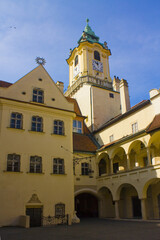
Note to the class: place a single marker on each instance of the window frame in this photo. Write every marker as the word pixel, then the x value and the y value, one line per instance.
pixel 59 210
pixel 34 163
pixel 111 138
pixel 12 162
pixel 36 96
pixel 97 56
pixel 134 127
pixel 58 166
pixel 38 124
pixel 16 120
pixel 76 128
pixel 58 127
pixel 85 169
pixel 76 61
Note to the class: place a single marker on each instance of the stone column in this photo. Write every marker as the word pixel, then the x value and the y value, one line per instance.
pixel 143 208
pixel 117 209
pixel 149 156
pixel 111 166
pixel 128 162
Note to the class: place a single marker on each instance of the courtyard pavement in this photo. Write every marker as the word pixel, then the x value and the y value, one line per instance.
pixel 88 229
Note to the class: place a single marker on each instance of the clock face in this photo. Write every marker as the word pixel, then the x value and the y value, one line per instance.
pixel 98 66
pixel 76 70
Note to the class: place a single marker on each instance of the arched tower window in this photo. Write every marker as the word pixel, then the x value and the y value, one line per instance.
pixel 76 60
pixel 97 56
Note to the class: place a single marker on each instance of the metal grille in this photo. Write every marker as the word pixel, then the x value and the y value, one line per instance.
pixel 55 220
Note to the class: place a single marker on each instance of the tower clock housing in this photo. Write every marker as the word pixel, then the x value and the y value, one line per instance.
pixel 89 79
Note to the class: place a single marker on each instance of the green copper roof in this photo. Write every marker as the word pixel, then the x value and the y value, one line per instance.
pixel 88 35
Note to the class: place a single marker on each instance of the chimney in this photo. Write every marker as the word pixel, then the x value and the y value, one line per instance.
pixel 116 84
pixel 60 85
pixel 124 96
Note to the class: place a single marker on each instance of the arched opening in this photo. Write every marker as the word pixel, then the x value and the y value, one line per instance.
pixel 119 160
pixel 102 167
pixel 129 204
pixel 154 146
pixel 97 55
pixel 138 155
pixel 86 205
pixel 152 201
pixel 106 203
pixel 76 60
pixel 104 164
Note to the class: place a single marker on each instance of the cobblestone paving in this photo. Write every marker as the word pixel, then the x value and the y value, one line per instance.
pixel 88 229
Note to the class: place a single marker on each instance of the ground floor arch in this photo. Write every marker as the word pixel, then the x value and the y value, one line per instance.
pixel 152 198
pixel 106 203
pixel 129 202
pixel 86 205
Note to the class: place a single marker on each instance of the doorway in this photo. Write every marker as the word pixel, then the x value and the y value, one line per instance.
pixel 35 216
pixel 86 205
pixel 136 205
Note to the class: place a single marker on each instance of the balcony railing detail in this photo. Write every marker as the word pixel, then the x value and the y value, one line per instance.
pixel 87 79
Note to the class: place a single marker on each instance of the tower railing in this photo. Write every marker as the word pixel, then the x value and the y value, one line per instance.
pixel 87 79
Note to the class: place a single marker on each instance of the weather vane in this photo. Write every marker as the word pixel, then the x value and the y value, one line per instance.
pixel 40 61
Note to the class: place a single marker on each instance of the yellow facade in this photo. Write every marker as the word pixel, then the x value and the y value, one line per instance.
pixel 22 189
pixel 87 151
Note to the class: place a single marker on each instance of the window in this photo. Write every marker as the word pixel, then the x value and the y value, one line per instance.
pixel 111 138
pixel 58 166
pixel 59 210
pixel 115 167
pixel 77 126
pixel 13 163
pixel 85 168
pixel 111 95
pixel 38 95
pixel 16 120
pixel 97 55
pixel 58 127
pixel 37 124
pixel 35 164
pixel 135 127
pixel 76 61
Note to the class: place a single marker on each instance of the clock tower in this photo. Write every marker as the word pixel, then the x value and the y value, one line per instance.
pixel 89 80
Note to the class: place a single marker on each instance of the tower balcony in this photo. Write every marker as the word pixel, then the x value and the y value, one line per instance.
pixel 89 80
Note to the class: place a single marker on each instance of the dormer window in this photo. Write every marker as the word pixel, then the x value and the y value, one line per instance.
pixel 76 61
pixel 38 95
pixel 77 126
pixel 97 56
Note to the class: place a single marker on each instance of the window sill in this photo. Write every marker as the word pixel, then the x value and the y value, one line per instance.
pixel 58 174
pixel 31 131
pixel 5 171
pixel 36 173
pixel 62 135
pixel 38 103
pixel 21 129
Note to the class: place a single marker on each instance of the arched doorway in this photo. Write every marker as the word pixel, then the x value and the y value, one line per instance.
pixel 106 203
pixel 86 205
pixel 129 204
pixel 151 192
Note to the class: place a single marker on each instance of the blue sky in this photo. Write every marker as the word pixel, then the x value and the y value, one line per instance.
pixel 49 28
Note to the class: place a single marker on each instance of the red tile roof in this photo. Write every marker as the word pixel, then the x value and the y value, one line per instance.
pixel 5 84
pixel 155 124
pixel 83 143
